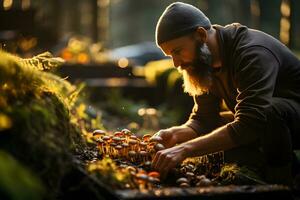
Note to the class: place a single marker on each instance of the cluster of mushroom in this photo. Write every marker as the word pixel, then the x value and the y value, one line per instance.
pixel 210 164
pixel 122 174
pixel 143 179
pixel 126 146
pixel 202 172
pixel 191 179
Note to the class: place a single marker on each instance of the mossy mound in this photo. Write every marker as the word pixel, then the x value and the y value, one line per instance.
pixel 36 120
pixel 234 174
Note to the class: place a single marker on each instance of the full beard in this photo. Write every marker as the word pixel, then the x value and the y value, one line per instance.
pixel 197 77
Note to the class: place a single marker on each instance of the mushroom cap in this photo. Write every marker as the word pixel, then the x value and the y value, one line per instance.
pixel 133 137
pixel 118 147
pixel 132 142
pixel 190 167
pixel 182 180
pixel 143 143
pixel 116 139
pixel 154 174
pixel 106 137
pixel 126 131
pixel 125 144
pixel 98 132
pixel 131 153
pixel 190 174
pixel 142 176
pixel 201 177
pixel 204 182
pixel 143 153
pixel 123 166
pixel 118 134
pixel 147 163
pixel 130 168
pixel 146 137
pixel 184 185
pixel 113 144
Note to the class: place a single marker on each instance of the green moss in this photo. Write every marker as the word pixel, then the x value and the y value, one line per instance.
pixel 233 174
pixel 17 182
pixel 37 125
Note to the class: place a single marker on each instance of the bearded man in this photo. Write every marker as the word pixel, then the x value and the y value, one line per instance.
pixel 256 76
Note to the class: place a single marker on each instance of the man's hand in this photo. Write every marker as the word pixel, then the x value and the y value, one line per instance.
pixel 174 135
pixel 167 159
pixel 167 137
pixel 217 140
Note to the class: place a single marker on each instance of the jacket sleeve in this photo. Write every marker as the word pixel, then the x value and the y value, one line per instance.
pixel 205 114
pixel 255 75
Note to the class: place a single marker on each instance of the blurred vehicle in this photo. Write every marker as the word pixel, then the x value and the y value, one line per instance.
pixel 138 54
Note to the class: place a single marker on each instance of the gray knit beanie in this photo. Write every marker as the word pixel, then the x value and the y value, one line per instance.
pixel 179 19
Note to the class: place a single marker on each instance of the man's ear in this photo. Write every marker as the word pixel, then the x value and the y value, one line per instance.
pixel 201 34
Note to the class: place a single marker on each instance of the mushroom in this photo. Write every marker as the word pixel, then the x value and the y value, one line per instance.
pixel 127 134
pixel 190 167
pixel 100 145
pixel 182 180
pixel 184 185
pixel 154 174
pixel 200 177
pixel 150 183
pixel 125 150
pixel 132 144
pixel 204 182
pixel 151 150
pixel 153 180
pixel 112 151
pixel 119 149
pixel 99 132
pixel 190 175
pixel 106 142
pixel 126 131
pixel 147 165
pixel 142 180
pixel 143 146
pixel 132 155
pixel 118 134
pixel 146 137
pixel 132 170
pixel 123 166
pixel 133 137
pixel 117 140
pixel 143 156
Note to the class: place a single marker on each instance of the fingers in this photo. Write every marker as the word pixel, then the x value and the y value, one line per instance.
pixel 155 160
pixel 162 137
pixel 164 161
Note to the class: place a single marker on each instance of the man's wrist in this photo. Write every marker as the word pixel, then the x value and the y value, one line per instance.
pixel 187 149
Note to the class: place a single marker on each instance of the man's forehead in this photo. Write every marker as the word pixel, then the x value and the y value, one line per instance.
pixel 172 45
pixel 167 47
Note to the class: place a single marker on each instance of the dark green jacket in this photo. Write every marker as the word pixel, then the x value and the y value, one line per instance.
pixel 255 68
